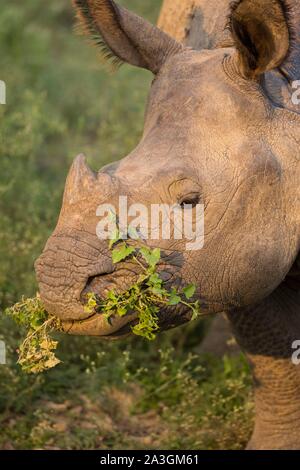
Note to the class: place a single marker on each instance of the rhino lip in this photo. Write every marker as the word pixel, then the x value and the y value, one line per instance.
pixel 91 322
pixel 83 321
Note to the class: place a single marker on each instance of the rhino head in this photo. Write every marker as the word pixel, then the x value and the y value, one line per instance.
pixel 212 135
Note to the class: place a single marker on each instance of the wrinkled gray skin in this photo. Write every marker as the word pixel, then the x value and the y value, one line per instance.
pixel 212 133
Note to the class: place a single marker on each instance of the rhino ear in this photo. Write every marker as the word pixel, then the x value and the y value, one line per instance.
pixel 80 182
pixel 123 36
pixel 260 29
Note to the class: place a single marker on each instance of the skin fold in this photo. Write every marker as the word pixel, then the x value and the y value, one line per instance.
pixel 219 129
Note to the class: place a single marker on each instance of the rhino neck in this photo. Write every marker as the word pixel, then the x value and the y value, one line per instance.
pixel 266 334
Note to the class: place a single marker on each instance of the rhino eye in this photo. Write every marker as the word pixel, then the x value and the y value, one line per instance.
pixel 189 200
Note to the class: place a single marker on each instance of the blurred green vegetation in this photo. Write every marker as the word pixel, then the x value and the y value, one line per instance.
pixel 61 102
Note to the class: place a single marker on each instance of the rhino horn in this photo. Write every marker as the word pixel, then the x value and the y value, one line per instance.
pixel 81 180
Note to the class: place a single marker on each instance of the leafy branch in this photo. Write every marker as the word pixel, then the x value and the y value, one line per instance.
pixel 147 296
pixel 37 351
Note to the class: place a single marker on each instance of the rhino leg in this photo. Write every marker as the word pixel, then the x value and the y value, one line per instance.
pixel 266 334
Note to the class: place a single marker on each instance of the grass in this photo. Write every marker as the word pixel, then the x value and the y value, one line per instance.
pixel 61 102
pixel 109 400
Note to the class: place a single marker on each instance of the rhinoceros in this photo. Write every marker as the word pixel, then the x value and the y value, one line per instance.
pixel 221 129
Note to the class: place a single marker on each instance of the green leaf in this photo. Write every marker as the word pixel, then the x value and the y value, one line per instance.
pixel 111 295
pixel 174 298
pixel 133 233
pixel 115 237
pixel 121 311
pixel 155 280
pixel 189 291
pixel 36 323
pixel 112 216
pixel 157 291
pixel 121 253
pixel 151 257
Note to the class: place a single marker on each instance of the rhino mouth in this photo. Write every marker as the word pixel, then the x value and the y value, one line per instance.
pixel 93 326
pixel 119 280
pixel 96 324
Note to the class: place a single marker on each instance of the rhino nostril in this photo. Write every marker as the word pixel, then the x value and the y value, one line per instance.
pixel 95 284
